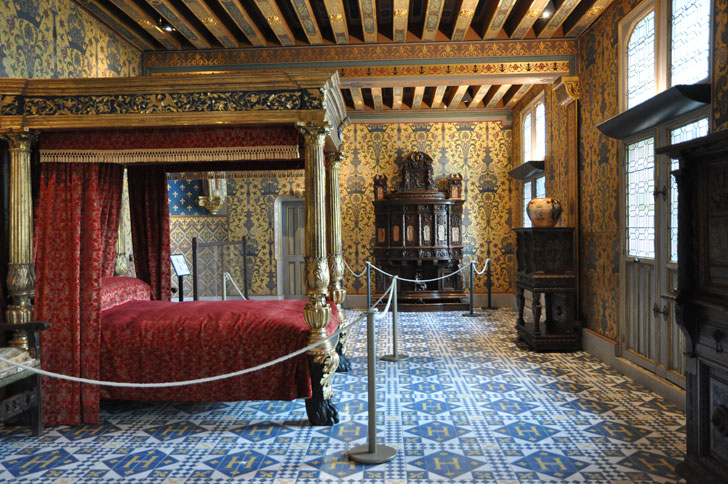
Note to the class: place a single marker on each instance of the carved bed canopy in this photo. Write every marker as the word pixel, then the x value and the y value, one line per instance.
pixel 307 104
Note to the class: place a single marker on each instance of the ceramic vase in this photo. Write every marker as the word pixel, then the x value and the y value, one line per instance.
pixel 544 212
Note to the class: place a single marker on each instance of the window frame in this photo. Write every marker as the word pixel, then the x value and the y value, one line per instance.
pixel 531 109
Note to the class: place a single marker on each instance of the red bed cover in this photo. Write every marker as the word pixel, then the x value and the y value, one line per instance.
pixel 159 341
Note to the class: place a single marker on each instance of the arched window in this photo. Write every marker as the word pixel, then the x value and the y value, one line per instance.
pixel 641 60
pixel 533 134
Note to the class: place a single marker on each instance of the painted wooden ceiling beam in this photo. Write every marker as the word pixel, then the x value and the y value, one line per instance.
pixel 437 98
pixel 498 18
pixel 458 96
pixel 463 20
pixel 498 93
pixel 276 21
pixel 119 25
pixel 357 97
pixel 308 21
pixel 242 19
pixel 368 15
pixel 400 19
pixel 528 18
pixel 337 20
pixel 179 22
pixel 212 23
pixel 557 19
pixel 432 19
pixel 514 95
pixel 582 17
pixel 377 98
pixel 397 93
pixel 148 23
pixel 417 98
pixel 478 96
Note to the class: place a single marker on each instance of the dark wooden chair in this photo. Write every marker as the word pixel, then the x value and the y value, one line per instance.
pixel 21 389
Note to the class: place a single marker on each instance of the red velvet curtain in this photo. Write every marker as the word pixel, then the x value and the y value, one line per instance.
pixel 76 224
pixel 149 209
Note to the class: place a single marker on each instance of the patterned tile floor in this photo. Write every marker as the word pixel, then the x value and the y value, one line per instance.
pixel 470 405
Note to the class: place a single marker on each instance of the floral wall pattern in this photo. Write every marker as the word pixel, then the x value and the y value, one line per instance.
pixel 42 39
pixel 478 151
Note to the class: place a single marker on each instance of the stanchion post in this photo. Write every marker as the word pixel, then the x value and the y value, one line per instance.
pixel 224 287
pixel 371 453
pixel 181 286
pixel 369 285
pixel 471 314
pixel 395 356
pixel 488 282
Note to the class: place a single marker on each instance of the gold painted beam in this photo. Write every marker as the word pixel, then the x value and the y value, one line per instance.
pixel 337 20
pixel 432 19
pixel 581 23
pixel 498 20
pixel 557 19
pixel 212 23
pixel 464 17
pixel 120 26
pixel 148 23
pixel 357 97
pixel 478 96
pixel 417 98
pixel 276 21
pixel 242 19
pixel 458 96
pixel 497 95
pixel 529 18
pixel 400 19
pixel 397 97
pixel 516 95
pixel 377 98
pixel 368 14
pixel 308 21
pixel 176 19
pixel 437 98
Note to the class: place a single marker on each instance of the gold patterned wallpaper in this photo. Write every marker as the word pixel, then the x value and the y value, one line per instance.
pixel 43 39
pixel 478 151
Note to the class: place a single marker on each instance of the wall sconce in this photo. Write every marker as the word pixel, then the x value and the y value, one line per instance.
pixel 215 191
pixel 164 26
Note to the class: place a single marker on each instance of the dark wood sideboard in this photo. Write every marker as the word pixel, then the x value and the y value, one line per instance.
pixel 418 236
pixel 545 258
pixel 702 301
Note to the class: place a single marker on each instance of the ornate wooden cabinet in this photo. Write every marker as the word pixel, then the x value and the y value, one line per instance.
pixel 702 301
pixel 545 258
pixel 418 235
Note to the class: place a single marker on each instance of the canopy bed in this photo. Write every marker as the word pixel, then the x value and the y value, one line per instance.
pixel 89 129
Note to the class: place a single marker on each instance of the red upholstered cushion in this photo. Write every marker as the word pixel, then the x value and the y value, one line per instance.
pixel 119 290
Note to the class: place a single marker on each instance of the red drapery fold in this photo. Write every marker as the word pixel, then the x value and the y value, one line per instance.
pixel 149 207
pixel 76 227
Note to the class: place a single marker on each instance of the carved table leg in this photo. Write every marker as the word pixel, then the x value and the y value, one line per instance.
pixel 536 312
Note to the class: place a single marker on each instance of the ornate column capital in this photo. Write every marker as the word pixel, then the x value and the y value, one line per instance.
pixel 334 159
pixel 313 134
pixel 19 140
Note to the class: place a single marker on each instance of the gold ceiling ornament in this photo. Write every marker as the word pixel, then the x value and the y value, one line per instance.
pixel 336 17
pixel 400 13
pixel 208 21
pixel 595 11
pixel 533 13
pixel 567 90
pixel 273 19
pixel 144 22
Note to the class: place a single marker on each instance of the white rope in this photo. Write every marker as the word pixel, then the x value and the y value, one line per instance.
pixel 420 280
pixel 186 382
pixel 485 267
pixel 390 291
pixel 352 271
pixel 225 277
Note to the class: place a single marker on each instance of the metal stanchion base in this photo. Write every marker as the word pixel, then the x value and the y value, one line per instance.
pixel 398 357
pixel 382 453
pixel 470 315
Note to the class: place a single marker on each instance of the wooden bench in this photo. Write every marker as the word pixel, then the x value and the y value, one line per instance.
pixel 21 389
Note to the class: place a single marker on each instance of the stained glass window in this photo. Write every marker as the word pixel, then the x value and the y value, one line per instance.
pixel 690 40
pixel 678 135
pixel 526 199
pixel 539 150
pixel 641 61
pixel 527 138
pixel 640 198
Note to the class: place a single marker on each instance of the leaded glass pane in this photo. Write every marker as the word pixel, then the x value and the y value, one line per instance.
pixel 526 199
pixel 640 199
pixel 678 135
pixel 540 145
pixel 527 138
pixel 690 40
pixel 641 61
pixel 541 187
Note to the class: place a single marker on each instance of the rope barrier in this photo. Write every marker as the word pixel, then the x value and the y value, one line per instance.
pixel 198 380
pixel 390 291
pixel 485 267
pixel 417 281
pixel 357 276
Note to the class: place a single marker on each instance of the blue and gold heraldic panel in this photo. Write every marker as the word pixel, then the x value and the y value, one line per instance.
pixel 183 197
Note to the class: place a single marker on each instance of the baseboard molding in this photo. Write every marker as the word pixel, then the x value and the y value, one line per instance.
pixel 606 350
pixel 359 301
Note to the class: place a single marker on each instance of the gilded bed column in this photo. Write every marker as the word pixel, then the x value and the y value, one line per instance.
pixel 317 313
pixel 21 271
pixel 336 260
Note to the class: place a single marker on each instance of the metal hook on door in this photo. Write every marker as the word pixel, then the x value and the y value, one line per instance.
pixel 656 311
